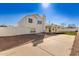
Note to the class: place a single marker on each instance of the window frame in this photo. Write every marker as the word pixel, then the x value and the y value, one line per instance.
pixel 30 20
pixel 39 22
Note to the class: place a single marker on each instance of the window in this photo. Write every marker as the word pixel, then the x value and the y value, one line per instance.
pixel 32 30
pixel 30 20
pixel 39 22
pixel 53 29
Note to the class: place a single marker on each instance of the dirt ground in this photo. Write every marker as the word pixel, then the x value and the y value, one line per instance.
pixel 13 41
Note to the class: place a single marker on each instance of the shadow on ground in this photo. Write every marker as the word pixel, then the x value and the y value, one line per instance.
pixel 13 41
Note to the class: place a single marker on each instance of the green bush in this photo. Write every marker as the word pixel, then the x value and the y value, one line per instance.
pixel 71 33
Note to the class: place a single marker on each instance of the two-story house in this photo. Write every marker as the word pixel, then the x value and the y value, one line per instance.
pixel 33 23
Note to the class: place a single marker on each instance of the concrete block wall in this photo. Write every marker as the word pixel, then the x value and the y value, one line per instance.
pixel 12 31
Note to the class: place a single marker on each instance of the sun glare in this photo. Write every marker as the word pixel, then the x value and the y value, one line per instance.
pixel 45 5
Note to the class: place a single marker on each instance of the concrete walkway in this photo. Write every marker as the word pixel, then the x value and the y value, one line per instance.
pixel 75 49
pixel 52 46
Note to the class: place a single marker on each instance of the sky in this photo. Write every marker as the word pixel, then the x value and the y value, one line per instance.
pixel 58 13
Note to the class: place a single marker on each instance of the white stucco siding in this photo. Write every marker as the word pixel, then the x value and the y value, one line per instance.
pixel 24 27
pixel 5 31
pixel 70 29
pixel 11 31
pixel 38 27
pixel 25 23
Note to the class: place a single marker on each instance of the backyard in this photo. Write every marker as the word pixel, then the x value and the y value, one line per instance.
pixel 37 44
pixel 70 33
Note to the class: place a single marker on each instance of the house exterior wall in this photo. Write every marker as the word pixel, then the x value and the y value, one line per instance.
pixel 59 29
pixel 11 31
pixel 47 28
pixel 38 27
pixel 54 28
pixel 24 27
pixel 70 29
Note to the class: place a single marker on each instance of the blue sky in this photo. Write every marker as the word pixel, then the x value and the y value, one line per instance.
pixel 68 13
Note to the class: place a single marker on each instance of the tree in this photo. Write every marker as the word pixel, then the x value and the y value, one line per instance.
pixel 71 25
pixel 63 24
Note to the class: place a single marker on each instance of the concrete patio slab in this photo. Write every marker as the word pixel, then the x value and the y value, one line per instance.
pixel 59 45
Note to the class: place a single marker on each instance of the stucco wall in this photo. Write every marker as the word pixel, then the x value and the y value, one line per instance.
pixel 10 31
pixel 69 29
pixel 38 27
pixel 24 27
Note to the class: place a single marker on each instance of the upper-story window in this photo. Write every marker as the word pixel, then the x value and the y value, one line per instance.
pixel 39 22
pixel 30 20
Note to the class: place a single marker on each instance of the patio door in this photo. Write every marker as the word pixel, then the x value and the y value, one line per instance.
pixel 32 30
